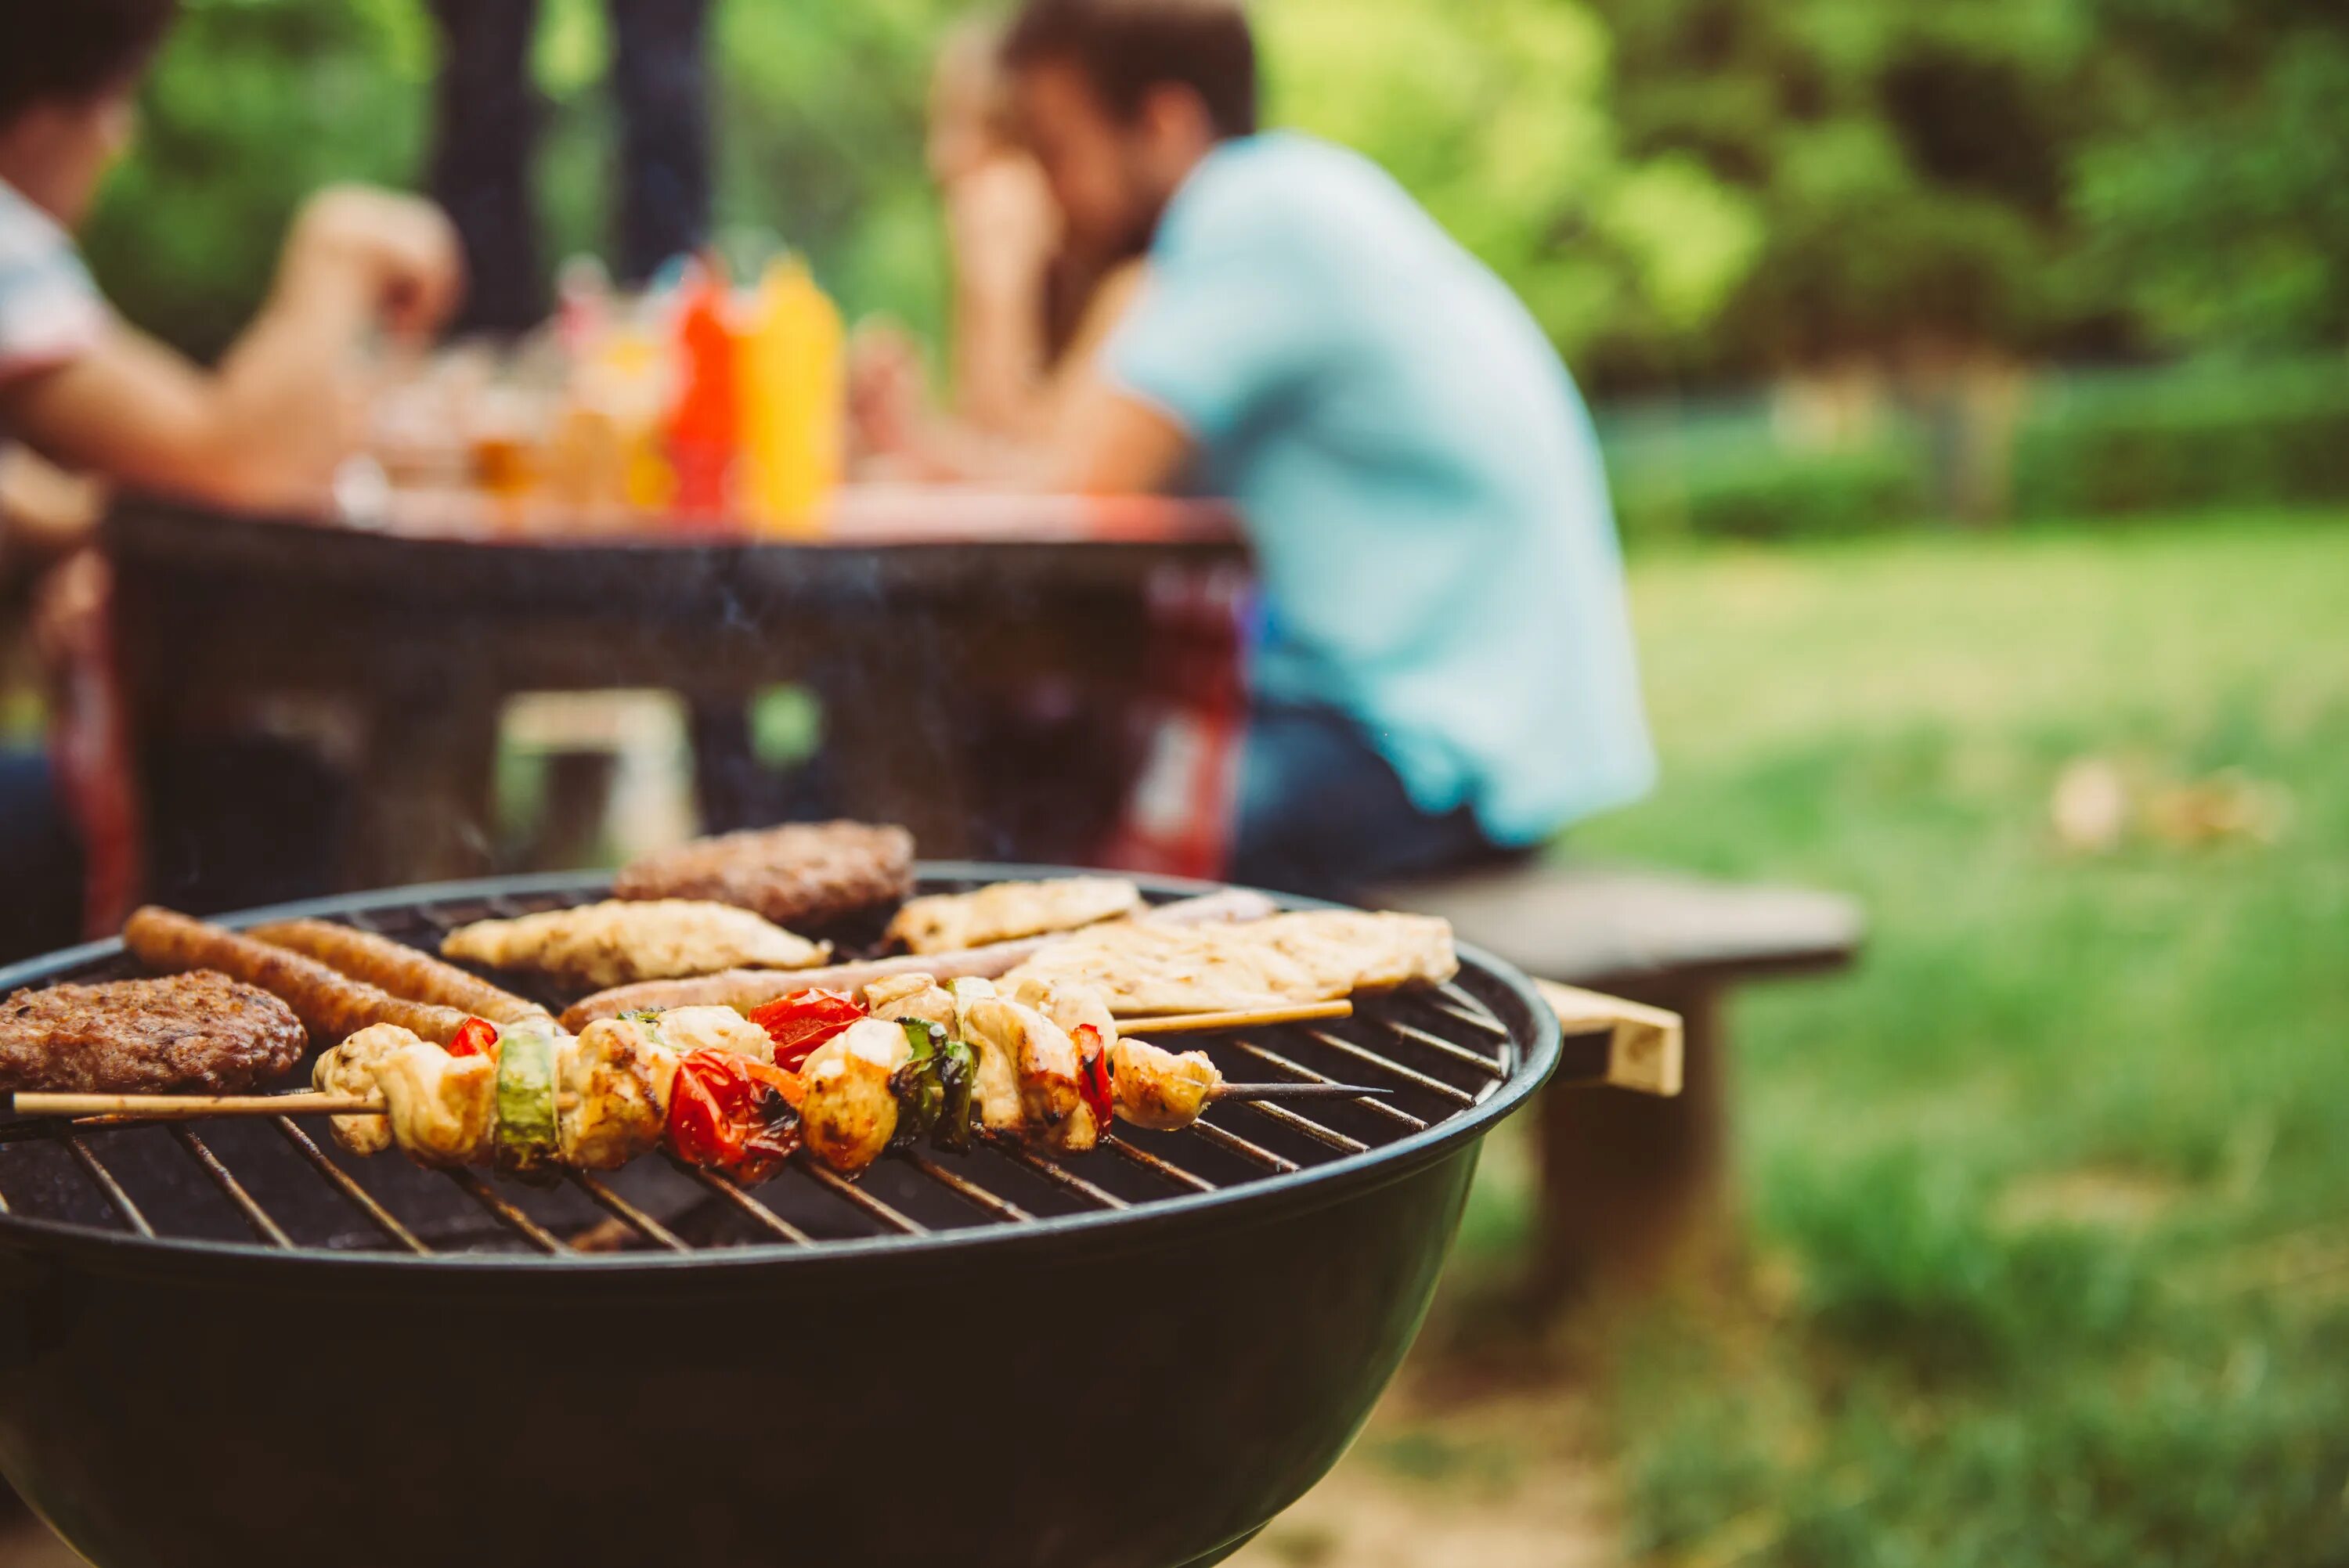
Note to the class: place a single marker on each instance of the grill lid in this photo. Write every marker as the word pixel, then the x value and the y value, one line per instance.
pixel 1458 1059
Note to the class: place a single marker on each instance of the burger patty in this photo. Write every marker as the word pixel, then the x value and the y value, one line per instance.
pixel 802 873
pixel 200 1031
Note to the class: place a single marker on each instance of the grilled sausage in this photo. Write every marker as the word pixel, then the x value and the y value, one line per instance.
pixel 748 989
pixel 398 968
pixel 330 1004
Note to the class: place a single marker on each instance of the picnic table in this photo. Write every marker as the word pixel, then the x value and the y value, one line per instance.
pixel 903 616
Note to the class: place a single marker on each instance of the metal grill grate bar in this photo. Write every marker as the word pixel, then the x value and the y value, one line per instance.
pixel 1224 1138
pixel 1329 1137
pixel 627 1213
pixel 521 1224
pixel 978 1197
pixel 1469 1011
pixel 90 1162
pixel 874 1208
pixel 255 1215
pixel 1061 1176
pixel 1163 1169
pixel 1393 1113
pixel 1393 1068
pixel 767 1217
pixel 1445 1048
pixel 342 1183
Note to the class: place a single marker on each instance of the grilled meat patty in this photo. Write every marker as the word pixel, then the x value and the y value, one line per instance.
pixel 799 874
pixel 199 1031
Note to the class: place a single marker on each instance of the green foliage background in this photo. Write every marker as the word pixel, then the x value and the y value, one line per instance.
pixel 1688 191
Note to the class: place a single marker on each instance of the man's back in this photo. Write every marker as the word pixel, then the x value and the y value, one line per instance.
pixel 1418 473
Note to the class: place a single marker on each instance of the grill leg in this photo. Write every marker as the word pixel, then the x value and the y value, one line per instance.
pixel 1634 1188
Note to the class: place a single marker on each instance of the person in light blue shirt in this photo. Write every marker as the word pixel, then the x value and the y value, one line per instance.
pixel 1447 669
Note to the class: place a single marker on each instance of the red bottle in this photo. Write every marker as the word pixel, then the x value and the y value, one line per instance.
pixel 705 425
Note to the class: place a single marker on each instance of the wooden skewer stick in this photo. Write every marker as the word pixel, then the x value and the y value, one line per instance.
pixel 181 1107
pixel 1239 1018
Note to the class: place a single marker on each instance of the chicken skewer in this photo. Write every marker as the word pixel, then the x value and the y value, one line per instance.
pixel 524 1098
pixel 76 1107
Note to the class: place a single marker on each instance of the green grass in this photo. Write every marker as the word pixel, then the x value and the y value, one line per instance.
pixel 2049 1201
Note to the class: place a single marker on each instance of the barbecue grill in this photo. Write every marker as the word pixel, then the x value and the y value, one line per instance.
pixel 229 1342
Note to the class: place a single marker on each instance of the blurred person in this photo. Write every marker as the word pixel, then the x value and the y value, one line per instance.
pixel 487 119
pixel 265 428
pixel 1447 674
pixel 1031 309
pixel 270 424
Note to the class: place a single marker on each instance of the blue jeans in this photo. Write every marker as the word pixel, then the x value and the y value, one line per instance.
pixel 1323 813
pixel 488 116
pixel 41 858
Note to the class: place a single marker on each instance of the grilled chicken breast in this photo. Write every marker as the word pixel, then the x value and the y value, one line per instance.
pixel 617 942
pixel 918 996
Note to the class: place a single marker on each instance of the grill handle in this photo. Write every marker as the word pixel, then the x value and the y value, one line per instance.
pixel 1644 1044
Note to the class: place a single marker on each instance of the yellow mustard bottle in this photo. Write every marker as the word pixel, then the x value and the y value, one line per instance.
pixel 792 400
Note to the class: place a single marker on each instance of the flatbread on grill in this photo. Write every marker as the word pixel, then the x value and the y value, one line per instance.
pixel 947 922
pixel 1317 956
pixel 802 873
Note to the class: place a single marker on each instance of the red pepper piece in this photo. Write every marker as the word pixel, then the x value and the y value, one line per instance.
pixel 803 1020
pixel 732 1114
pixel 475 1038
pixel 1093 1082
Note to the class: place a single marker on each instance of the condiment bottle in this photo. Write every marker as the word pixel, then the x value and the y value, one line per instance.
pixel 705 423
pixel 791 404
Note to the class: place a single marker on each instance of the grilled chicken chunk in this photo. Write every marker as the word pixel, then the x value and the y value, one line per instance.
pixel 901 997
pixel 1071 1007
pixel 686 1030
pixel 1030 1077
pixel 848 1112
pixel 943 923
pixel 612 1087
pixel 350 1068
pixel 617 942
pixel 444 1109
pixel 1155 1088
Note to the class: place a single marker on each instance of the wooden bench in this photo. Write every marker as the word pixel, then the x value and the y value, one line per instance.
pixel 1633 1186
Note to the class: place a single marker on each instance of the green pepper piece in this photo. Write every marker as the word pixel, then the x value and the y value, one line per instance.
pixel 920 1096
pixel 526 1143
pixel 957 1072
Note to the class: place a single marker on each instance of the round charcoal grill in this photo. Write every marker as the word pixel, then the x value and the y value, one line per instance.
pixel 229 1342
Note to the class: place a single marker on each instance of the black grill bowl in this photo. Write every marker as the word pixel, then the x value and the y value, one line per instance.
pixel 1145 1385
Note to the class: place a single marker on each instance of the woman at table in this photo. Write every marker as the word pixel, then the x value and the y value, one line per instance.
pixel 1030 307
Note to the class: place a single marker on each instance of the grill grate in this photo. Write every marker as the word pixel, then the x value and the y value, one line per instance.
pixel 283 1184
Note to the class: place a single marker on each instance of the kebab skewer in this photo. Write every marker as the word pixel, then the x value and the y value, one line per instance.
pixel 848 1077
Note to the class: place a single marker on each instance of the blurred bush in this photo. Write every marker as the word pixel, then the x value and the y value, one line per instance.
pixel 1752 488
pixel 2205 435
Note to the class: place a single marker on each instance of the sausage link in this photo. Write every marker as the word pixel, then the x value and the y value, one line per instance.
pixel 331 1005
pixel 398 968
